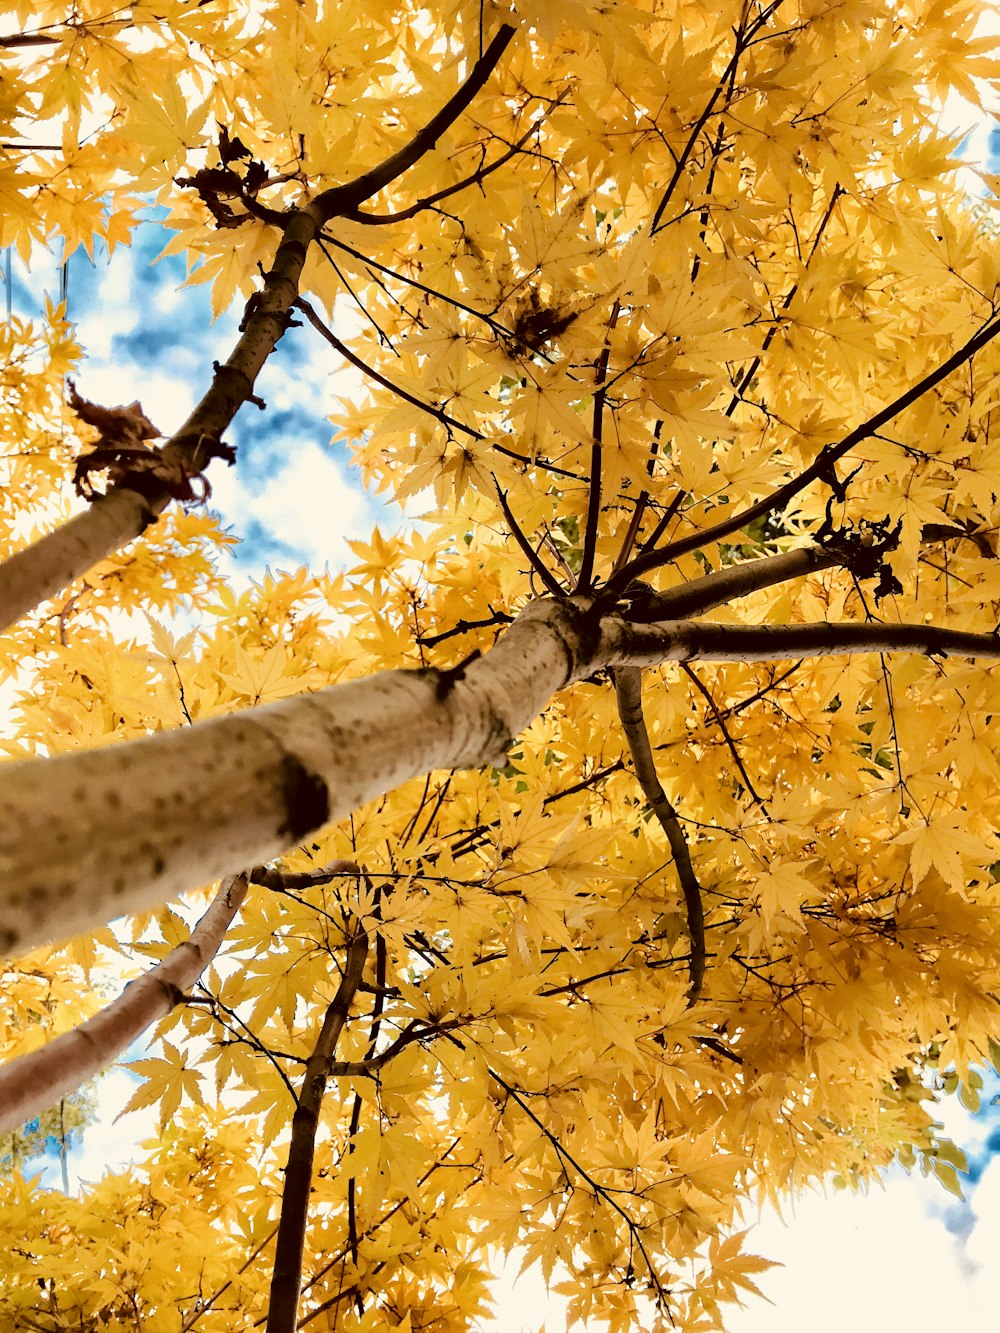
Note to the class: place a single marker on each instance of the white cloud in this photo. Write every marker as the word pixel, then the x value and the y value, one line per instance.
pixel 865 1264
pixel 312 504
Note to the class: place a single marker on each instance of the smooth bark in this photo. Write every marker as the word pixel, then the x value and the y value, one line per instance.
pixel 89 836
pixel 33 1082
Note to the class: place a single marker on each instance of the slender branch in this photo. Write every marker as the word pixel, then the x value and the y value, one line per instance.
pixel 204 1306
pixel 706 694
pixel 688 641
pixel 549 580
pixel 754 366
pixel 451 423
pixel 236 1025
pixel 742 41
pixel 29 39
pixel 628 694
pixel 597 428
pixel 822 468
pixel 344 199
pixel 33 1082
pixel 638 513
pixel 664 522
pixel 492 324
pixel 374 1027
pixel 474 178
pixel 286 1280
pixel 464 626
pixel 370 1231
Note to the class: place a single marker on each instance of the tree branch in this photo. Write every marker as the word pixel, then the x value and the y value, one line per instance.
pixel 706 694
pixel 112 520
pixel 474 178
pixel 822 468
pixel 600 1191
pixel 597 429
pixel 628 692
pixel 343 200
pixel 450 423
pixel 687 641
pixel 726 584
pixel 286 1280
pixel 32 1083
pixel 89 835
pixel 549 581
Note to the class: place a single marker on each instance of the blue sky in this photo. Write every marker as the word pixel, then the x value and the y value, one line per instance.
pixel 291 500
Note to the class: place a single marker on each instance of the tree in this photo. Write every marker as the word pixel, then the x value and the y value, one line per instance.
pixel 675 312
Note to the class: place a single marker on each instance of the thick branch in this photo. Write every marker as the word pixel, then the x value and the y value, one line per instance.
pixel 687 641
pixel 287 1279
pixel 344 199
pixel 727 584
pixel 87 836
pixel 32 1083
pixel 628 689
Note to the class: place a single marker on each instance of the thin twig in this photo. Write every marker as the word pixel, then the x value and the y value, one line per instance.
pixel 597 427
pixel 534 561
pixel 600 1191
pixel 707 696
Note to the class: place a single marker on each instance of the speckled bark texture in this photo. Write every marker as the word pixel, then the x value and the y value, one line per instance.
pixel 90 836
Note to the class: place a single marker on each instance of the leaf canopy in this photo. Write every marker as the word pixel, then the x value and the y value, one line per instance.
pixel 666 256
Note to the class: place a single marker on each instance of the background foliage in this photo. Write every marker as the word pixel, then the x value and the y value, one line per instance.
pixel 666 256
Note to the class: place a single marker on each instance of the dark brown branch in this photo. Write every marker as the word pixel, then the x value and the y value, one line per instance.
pixel 534 560
pixel 628 693
pixel 341 1255
pixel 742 41
pixel 494 325
pixel 29 39
pixel 474 178
pixel 450 423
pixel 748 374
pixel 661 527
pixel 600 1191
pixel 638 513
pixel 344 199
pixel 597 427
pixel 205 1306
pixel 284 1297
pixel 689 641
pixel 464 627
pixel 821 469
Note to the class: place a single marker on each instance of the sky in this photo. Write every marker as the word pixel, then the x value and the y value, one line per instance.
pixel 905 1256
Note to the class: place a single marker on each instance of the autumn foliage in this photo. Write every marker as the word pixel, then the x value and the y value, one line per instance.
pixel 675 322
